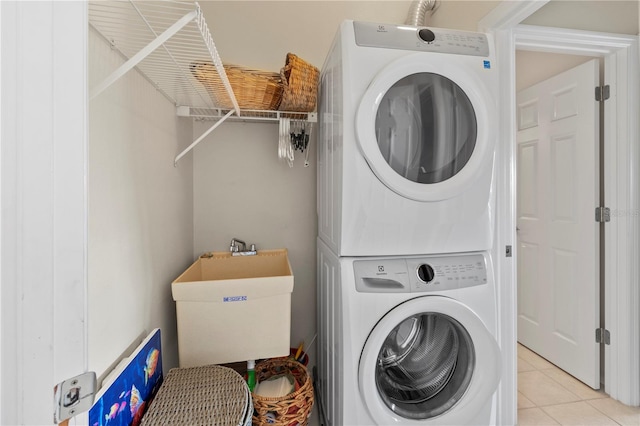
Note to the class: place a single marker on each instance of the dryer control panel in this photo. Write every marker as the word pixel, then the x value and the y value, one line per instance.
pixel 419 274
pixel 422 39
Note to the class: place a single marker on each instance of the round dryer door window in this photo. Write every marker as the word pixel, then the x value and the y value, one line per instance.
pixel 426 128
pixel 424 366
pixel 429 360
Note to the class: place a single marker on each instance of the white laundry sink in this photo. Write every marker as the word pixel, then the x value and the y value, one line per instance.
pixel 234 308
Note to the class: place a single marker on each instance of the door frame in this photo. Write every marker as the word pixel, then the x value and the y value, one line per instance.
pixel 43 200
pixel 622 238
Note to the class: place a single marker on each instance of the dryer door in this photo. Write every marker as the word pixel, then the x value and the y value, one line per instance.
pixel 424 126
pixel 430 359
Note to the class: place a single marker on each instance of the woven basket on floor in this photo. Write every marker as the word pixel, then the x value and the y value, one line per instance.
pixel 300 81
pixel 253 89
pixel 290 409
pixel 201 396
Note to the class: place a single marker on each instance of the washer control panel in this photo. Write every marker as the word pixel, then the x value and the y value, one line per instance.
pixel 421 39
pixel 420 274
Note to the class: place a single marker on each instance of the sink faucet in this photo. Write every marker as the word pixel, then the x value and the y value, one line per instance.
pixel 239 248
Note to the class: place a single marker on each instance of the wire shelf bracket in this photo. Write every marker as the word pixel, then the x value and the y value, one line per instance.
pixel 135 60
pixel 204 135
pixel 137 28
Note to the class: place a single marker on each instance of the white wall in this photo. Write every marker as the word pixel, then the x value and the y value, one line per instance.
pixel 260 33
pixel 534 67
pixel 242 189
pixel 609 16
pixel 140 211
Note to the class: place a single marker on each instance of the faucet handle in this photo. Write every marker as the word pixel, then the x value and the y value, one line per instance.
pixel 235 245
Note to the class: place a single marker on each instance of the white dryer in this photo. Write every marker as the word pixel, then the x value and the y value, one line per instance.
pixel 408 124
pixel 407 340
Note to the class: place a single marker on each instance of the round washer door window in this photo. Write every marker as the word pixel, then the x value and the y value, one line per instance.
pixel 429 360
pixel 426 128
pixel 425 365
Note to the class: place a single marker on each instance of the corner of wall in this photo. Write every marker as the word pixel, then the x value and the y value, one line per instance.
pixel 140 211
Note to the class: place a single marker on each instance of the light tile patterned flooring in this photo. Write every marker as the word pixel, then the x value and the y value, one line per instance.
pixel 549 396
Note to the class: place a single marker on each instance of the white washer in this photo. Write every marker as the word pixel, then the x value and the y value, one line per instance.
pixel 407 136
pixel 407 340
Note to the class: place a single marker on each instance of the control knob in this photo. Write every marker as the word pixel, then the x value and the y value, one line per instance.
pixel 426 273
pixel 426 35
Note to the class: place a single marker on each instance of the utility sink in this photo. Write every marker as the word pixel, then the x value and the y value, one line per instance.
pixel 234 308
pixel 217 266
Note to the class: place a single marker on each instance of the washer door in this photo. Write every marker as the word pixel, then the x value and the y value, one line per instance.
pixel 423 126
pixel 429 360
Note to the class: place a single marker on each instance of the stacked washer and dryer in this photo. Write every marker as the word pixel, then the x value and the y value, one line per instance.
pixel 406 210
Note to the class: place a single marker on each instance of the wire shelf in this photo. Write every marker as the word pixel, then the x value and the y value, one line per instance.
pixel 162 39
pixel 261 116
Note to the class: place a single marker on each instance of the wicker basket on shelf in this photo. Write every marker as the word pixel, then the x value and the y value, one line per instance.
pixel 253 89
pixel 290 409
pixel 300 81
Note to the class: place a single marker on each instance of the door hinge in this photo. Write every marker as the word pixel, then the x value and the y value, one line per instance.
pixel 74 396
pixel 603 214
pixel 603 336
pixel 602 93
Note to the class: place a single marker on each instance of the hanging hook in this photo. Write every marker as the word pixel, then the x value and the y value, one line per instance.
pixel 308 137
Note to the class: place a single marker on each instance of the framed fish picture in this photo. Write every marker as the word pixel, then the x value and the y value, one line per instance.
pixel 125 398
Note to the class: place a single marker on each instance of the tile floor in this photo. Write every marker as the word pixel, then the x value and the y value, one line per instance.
pixel 549 396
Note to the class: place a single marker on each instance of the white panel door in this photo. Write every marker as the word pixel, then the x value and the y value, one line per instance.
pixel 558 238
pixel 43 203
